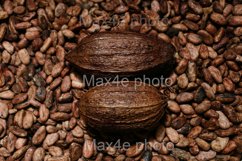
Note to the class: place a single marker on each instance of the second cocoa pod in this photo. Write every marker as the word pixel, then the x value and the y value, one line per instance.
pixel 121 53
pixel 122 110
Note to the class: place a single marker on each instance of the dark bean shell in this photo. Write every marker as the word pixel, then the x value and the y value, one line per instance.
pixel 127 109
pixel 121 53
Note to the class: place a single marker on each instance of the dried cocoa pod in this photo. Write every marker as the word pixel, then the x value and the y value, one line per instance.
pixel 120 53
pixel 121 110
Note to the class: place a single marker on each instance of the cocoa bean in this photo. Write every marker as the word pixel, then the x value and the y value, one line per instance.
pixel 218 18
pixel 206 155
pixel 39 136
pixel 172 135
pixel 39 154
pixel 195 132
pixel 206 37
pixel 184 97
pixel 235 21
pixel 88 148
pixel 202 144
pixel 187 109
pixel 195 6
pixel 229 147
pixel 203 107
pixel 219 144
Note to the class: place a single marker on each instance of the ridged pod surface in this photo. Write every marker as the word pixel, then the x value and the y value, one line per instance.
pixel 120 53
pixel 122 109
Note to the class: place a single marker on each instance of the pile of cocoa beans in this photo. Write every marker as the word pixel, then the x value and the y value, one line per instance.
pixel 39 90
